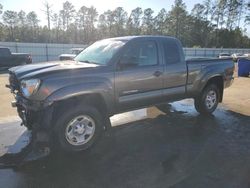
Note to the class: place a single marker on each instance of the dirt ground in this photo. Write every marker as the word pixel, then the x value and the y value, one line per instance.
pixel 237 97
pixel 6 111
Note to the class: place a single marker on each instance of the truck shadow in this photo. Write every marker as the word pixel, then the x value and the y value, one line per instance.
pixel 173 149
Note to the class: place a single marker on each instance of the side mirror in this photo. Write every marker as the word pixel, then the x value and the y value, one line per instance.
pixel 128 62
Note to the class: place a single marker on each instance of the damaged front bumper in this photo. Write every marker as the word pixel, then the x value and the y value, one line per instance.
pixel 36 117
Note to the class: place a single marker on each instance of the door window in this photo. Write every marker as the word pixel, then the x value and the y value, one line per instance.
pixel 141 54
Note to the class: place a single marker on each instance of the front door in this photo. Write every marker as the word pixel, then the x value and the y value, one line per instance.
pixel 139 77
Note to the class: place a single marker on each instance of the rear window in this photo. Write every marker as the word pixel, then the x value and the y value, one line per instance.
pixel 172 53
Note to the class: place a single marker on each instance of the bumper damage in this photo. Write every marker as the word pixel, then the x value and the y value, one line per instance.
pixel 37 120
pixel 29 153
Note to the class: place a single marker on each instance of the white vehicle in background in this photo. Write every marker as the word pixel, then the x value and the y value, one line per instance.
pixel 236 56
pixel 224 55
pixel 72 55
pixel 247 55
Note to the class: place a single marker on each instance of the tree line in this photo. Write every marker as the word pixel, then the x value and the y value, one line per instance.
pixel 213 23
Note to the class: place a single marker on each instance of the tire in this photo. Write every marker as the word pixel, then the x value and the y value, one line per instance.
pixel 78 128
pixel 208 100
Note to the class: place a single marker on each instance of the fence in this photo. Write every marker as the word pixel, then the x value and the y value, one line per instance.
pixel 41 52
pixel 49 52
pixel 212 52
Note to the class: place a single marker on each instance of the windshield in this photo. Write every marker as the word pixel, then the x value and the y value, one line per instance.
pixel 100 52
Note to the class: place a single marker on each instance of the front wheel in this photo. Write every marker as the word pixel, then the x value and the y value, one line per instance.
pixel 78 129
pixel 208 100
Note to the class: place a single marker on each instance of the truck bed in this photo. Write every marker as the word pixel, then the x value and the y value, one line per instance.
pixel 207 60
pixel 199 68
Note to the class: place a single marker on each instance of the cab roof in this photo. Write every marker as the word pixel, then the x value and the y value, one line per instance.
pixel 127 38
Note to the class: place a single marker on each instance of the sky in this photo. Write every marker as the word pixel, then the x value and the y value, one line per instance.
pixel 100 5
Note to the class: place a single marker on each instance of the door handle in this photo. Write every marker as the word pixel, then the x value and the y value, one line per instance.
pixel 157 73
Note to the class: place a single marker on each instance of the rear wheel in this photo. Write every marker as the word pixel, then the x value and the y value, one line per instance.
pixel 79 128
pixel 208 100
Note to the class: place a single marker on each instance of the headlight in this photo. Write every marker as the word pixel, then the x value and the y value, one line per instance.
pixel 29 86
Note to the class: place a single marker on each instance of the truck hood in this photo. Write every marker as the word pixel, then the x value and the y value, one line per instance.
pixel 33 70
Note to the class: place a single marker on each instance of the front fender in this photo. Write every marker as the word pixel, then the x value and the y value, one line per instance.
pixel 76 90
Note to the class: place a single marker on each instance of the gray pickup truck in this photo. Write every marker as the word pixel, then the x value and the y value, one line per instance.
pixel 72 101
